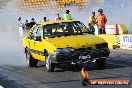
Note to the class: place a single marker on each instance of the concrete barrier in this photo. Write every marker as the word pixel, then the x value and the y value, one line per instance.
pixel 110 29
pixel 123 41
pixel 111 40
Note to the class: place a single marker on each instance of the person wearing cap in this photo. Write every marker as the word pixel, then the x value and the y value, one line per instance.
pixel 58 18
pixel 44 19
pixel 92 22
pixel 101 22
pixel 67 16
pixel 32 22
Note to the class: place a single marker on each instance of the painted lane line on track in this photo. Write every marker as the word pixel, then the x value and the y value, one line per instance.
pixel 1 86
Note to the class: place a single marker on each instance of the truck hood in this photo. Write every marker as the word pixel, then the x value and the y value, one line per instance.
pixel 76 41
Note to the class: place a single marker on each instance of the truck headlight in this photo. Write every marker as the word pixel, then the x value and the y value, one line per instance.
pixel 103 45
pixel 65 50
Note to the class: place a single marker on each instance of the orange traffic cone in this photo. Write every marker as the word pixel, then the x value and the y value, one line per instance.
pixel 116 29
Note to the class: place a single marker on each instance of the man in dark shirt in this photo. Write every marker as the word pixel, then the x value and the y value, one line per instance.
pixel 32 22
pixel 26 25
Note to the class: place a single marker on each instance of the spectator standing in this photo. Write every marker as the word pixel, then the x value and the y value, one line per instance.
pixel 32 22
pixel 58 18
pixel 92 22
pixel 26 25
pixel 67 16
pixel 45 19
pixel 101 21
pixel 20 27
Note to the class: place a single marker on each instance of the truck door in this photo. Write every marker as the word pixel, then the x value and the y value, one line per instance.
pixel 31 41
pixel 38 44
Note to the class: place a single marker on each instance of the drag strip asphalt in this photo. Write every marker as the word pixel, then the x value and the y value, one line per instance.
pixel 38 77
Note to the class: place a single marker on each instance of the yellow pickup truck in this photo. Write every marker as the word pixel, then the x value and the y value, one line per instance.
pixel 63 43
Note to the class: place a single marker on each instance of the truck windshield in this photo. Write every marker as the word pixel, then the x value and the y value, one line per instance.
pixel 65 29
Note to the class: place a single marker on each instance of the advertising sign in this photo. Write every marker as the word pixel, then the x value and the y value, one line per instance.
pixel 126 41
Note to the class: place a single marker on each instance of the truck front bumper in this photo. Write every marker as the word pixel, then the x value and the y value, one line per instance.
pixel 79 56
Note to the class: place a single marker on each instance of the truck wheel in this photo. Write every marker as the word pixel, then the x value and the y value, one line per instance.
pixel 101 62
pixel 49 65
pixel 31 62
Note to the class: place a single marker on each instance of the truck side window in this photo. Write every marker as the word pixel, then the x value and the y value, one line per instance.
pixel 32 36
pixel 38 34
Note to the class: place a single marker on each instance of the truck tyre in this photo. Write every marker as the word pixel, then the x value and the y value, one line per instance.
pixel 101 62
pixel 31 62
pixel 49 65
